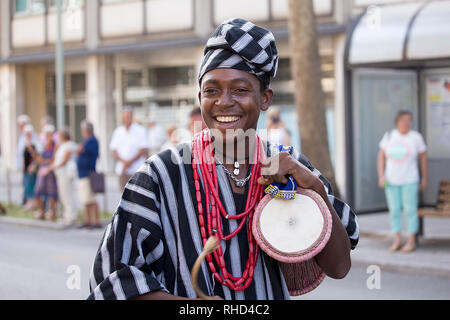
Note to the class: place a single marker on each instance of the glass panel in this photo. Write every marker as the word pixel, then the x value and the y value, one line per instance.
pixel 438 115
pixel 68 3
pixel 21 6
pixel 133 78
pixel 77 82
pixel 378 96
pixel 171 76
pixel 284 70
pixel 80 115
pixel 37 6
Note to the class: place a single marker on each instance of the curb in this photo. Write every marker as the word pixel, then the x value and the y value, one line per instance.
pixel 402 266
pixel 33 223
pixel 42 224
pixel 428 271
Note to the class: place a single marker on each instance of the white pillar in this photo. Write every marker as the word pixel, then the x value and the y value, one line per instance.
pixel 5 29
pixel 92 23
pixel 203 26
pixel 100 105
pixel 339 115
pixel 11 106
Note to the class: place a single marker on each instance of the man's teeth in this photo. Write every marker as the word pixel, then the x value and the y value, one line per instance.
pixel 227 119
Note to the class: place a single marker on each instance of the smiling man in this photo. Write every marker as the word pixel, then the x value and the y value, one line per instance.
pixel 168 209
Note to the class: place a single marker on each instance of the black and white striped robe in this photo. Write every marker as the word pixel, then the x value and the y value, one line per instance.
pixel 154 237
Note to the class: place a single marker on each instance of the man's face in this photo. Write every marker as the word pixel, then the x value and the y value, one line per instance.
pixel 127 117
pixel 231 100
pixel 84 133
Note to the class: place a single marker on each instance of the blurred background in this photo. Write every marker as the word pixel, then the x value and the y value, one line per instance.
pixel 377 57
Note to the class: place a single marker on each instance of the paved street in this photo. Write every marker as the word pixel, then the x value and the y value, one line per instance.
pixel 34 262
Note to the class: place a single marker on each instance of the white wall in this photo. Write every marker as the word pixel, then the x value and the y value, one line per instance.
pixel 321 7
pixel 28 31
pixel 170 15
pixel 121 18
pixel 73 26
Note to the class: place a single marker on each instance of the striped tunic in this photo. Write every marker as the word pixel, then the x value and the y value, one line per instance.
pixel 154 237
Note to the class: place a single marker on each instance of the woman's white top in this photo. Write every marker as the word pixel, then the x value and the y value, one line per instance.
pixel 70 167
pixel 402 151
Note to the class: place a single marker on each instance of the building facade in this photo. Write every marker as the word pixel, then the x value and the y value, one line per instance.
pixel 146 53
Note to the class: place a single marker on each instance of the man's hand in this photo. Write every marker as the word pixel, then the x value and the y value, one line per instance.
pixel 276 168
pixel 334 259
pixel 126 164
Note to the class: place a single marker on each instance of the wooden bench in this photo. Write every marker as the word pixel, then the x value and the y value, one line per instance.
pixel 442 209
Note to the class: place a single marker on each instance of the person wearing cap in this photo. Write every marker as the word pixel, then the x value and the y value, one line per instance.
pixel 30 165
pixel 46 185
pixel 158 230
pixel 48 120
pixel 129 146
pixel 22 121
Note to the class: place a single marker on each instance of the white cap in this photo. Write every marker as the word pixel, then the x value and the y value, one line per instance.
pixel 23 119
pixel 28 128
pixel 48 128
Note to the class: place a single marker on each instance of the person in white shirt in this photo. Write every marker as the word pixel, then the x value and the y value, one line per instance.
pixel 129 147
pixel 398 173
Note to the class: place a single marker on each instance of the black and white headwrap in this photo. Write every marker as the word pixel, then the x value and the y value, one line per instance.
pixel 240 44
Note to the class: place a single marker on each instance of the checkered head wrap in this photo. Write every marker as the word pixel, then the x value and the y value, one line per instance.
pixel 240 44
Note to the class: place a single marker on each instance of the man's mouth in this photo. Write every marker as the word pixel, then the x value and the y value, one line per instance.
pixel 227 119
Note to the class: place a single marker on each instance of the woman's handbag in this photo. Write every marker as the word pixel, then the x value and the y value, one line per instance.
pixel 97 180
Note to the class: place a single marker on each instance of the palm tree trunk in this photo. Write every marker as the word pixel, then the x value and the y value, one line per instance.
pixel 309 95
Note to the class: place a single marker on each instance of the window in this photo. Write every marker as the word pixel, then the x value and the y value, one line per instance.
pixel 68 4
pixel 133 78
pixel 171 76
pixel 29 6
pixel 77 82
pixel 284 70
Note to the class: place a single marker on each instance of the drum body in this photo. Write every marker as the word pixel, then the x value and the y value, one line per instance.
pixel 293 232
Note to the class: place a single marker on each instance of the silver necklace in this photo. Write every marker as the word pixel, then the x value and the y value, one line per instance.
pixel 239 182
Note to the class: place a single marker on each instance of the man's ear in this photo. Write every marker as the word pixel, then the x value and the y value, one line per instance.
pixel 200 97
pixel 266 99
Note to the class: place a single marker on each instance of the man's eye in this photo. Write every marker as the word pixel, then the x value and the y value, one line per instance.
pixel 242 90
pixel 209 90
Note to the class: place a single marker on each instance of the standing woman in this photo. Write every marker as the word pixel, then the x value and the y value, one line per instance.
pixel 64 168
pixel 30 156
pixel 398 173
pixel 46 180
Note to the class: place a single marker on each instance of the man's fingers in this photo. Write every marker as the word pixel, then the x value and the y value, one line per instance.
pixel 265 181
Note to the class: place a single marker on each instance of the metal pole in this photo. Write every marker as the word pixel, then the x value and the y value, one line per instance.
pixel 60 108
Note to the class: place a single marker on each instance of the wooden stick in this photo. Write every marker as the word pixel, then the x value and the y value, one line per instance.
pixel 210 246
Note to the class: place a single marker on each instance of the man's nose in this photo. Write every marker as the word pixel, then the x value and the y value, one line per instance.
pixel 225 99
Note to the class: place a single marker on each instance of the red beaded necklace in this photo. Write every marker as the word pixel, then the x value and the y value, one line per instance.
pixel 203 159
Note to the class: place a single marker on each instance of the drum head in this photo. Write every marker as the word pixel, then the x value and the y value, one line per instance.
pixel 292 231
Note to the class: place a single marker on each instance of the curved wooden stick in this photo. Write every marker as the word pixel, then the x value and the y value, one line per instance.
pixel 210 246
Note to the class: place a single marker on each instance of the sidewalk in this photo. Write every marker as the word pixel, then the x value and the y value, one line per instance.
pixel 431 257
